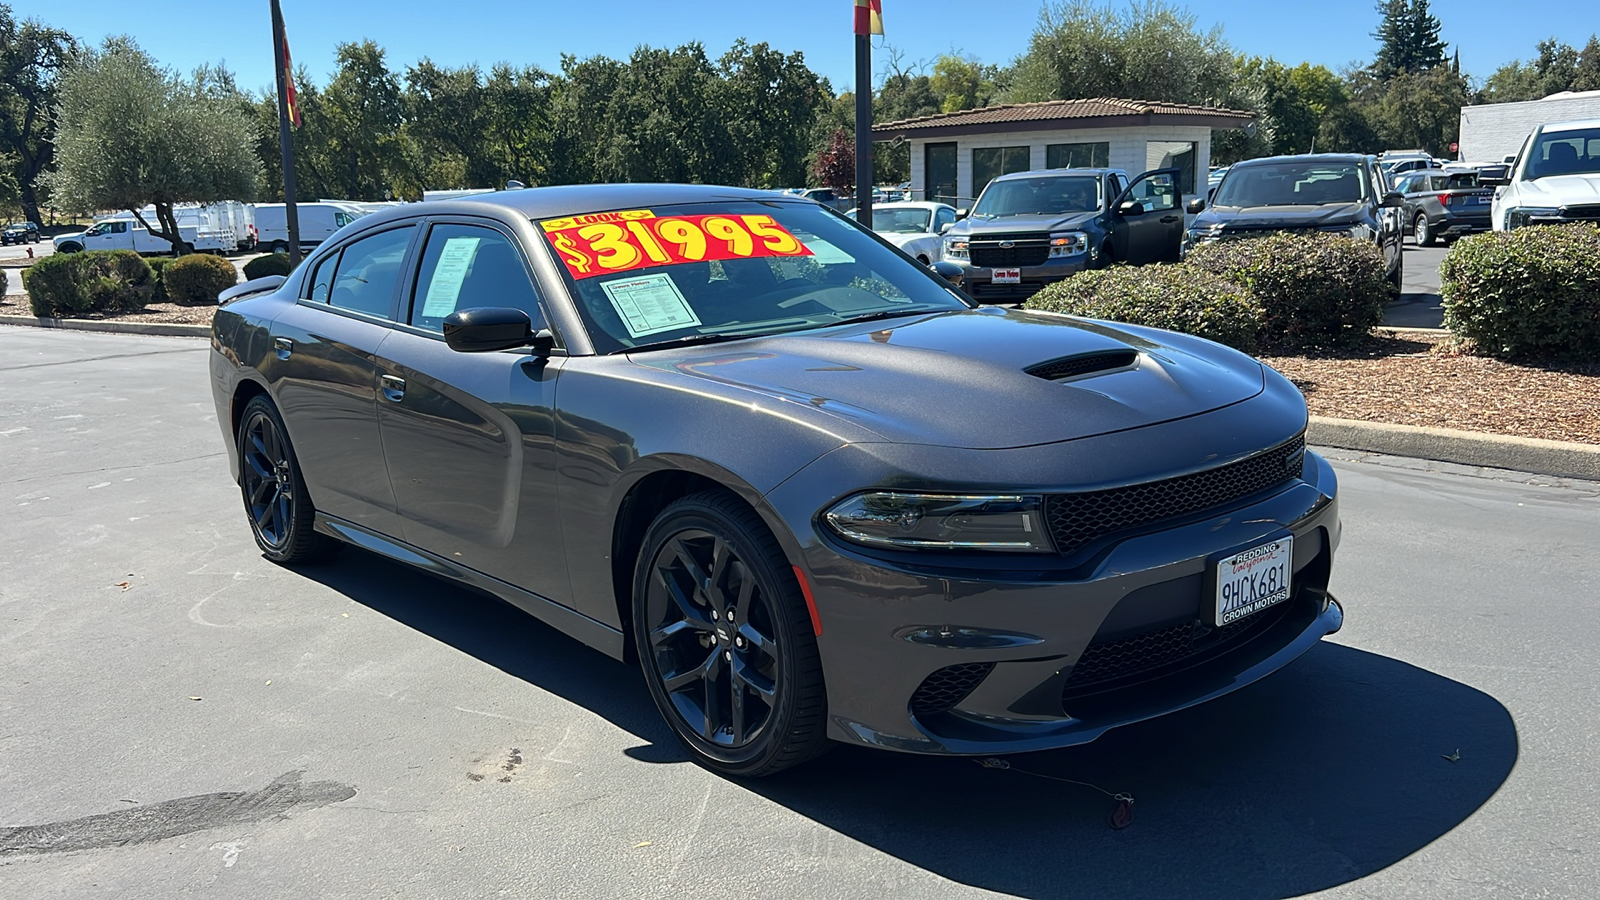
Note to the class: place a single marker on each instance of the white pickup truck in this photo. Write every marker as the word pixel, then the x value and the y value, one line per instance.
pixel 1555 179
pixel 125 233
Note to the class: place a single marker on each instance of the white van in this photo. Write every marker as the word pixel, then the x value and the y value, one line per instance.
pixel 318 222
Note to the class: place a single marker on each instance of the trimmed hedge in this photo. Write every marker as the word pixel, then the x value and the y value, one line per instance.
pixel 1529 293
pixel 1177 298
pixel 1314 290
pixel 4 280
pixel 270 264
pixel 158 263
pixel 99 281
pixel 197 279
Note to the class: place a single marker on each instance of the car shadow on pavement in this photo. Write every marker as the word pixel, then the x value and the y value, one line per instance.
pixel 1335 768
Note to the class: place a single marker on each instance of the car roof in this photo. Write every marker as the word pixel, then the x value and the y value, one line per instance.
pixel 566 200
pixel 1304 157
pixel 1570 126
pixel 1035 173
pixel 911 204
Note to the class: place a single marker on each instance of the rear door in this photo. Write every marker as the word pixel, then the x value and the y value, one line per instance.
pixel 470 437
pixel 1153 232
pixel 324 375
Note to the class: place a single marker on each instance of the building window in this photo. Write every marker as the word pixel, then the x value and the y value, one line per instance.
pixel 1178 155
pixel 1078 156
pixel 989 163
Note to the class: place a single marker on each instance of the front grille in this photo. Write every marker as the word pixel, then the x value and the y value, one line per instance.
pixel 1079 519
pixel 1581 213
pixel 1083 364
pixel 1109 661
pixel 947 687
pixel 980 290
pixel 992 257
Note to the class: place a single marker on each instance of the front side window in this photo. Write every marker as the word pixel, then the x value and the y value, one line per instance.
pixel 989 163
pixel 1292 184
pixel 467 266
pixel 1180 155
pixel 707 272
pixel 368 272
pixel 1156 193
pixel 1044 195
pixel 942 218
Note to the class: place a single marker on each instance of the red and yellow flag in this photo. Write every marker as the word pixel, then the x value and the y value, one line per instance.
pixel 289 94
pixel 869 16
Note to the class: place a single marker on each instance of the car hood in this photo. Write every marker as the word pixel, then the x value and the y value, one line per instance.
pixel 1560 190
pixel 62 237
pixel 1232 218
pixel 978 227
pixel 959 378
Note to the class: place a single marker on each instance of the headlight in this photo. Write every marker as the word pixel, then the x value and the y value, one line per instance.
pixel 1357 231
pixel 942 522
pixel 1068 243
pixel 955 248
pixel 1518 216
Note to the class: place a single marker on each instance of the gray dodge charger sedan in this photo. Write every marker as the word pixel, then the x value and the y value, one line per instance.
pixel 814 491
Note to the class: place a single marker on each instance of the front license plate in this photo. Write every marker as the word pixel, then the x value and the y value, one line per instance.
pixel 1253 580
pixel 1007 276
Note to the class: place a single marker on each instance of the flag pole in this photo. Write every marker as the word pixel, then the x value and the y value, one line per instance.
pixel 281 65
pixel 864 129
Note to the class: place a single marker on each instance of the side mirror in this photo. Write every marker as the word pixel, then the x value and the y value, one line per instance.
pixel 1394 200
pixel 946 227
pixel 949 271
pixel 1130 208
pixel 485 329
pixel 1196 206
pixel 962 213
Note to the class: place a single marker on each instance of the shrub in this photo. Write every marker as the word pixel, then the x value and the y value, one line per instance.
pixel 99 281
pixel 1528 293
pixel 1177 298
pixel 197 279
pixel 1314 289
pixel 270 264
pixel 157 264
pixel 4 280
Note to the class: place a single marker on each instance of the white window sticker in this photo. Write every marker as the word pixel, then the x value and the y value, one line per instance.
pixel 650 304
pixel 445 287
pixel 822 251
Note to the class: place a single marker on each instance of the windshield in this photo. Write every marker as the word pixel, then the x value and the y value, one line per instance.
pixel 1292 184
pixel 1574 152
pixel 898 220
pixel 1045 195
pixel 719 271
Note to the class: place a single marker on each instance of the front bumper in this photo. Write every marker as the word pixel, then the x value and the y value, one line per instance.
pixel 996 650
pixel 979 284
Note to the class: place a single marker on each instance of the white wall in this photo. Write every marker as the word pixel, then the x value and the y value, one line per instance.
pixel 1127 149
pixel 1494 131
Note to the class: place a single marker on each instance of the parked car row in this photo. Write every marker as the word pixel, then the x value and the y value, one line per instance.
pixel 222 227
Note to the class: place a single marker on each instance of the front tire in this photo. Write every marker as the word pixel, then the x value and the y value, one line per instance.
pixel 1424 231
pixel 275 497
pixel 70 248
pixel 725 639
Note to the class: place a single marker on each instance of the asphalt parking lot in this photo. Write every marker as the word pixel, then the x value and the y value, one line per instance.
pixel 1419 305
pixel 178 717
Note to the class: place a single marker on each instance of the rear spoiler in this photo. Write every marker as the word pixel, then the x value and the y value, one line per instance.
pixel 266 284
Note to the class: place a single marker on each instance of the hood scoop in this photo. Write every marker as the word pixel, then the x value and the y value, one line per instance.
pixel 1083 364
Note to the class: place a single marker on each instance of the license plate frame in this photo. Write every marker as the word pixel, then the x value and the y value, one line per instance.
pixel 1007 276
pixel 1248 580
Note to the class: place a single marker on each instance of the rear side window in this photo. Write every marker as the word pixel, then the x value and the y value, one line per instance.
pixel 322 278
pixel 466 266
pixel 368 272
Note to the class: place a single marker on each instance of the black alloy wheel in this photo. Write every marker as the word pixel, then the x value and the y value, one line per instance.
pixel 275 497
pixel 1424 232
pixel 725 639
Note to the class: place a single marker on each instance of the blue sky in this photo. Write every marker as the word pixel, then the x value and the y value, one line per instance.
pixel 183 34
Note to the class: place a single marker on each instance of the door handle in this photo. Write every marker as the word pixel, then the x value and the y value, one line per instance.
pixel 394 388
pixel 1168 220
pixel 283 347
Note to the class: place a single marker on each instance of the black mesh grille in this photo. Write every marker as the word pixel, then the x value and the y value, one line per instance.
pixel 1110 661
pixel 1083 364
pixel 947 687
pixel 982 289
pixel 991 257
pixel 1078 519
pixel 1581 213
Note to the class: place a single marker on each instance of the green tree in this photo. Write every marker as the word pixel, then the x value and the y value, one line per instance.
pixel 32 59
pixel 1420 109
pixel 1408 39
pixel 964 83
pixel 131 134
pixel 1557 68
pixel 768 100
pixel 361 112
pixel 1586 77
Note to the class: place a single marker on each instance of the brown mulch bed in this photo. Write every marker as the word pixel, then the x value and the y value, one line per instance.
pixel 1417 378
pixel 154 314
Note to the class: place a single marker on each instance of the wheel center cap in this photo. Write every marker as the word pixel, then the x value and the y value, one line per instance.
pixel 722 635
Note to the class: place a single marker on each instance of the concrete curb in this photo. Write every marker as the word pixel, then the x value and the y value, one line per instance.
pixel 1542 457
pixel 169 330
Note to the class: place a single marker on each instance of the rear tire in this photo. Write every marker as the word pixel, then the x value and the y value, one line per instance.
pixel 275 497
pixel 746 699
pixel 279 247
pixel 1424 231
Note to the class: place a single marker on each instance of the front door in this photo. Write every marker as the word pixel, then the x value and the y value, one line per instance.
pixel 470 437
pixel 324 375
pixel 1153 230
